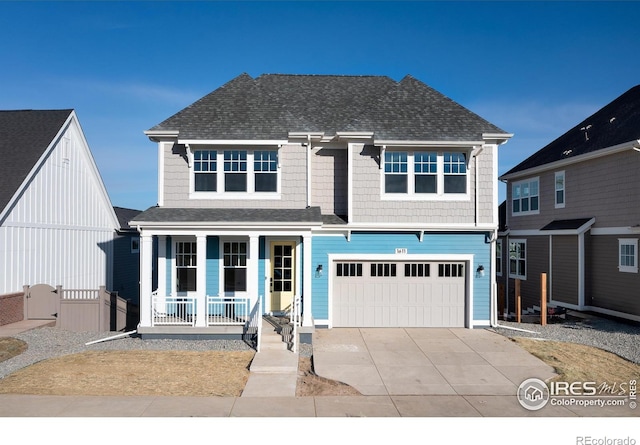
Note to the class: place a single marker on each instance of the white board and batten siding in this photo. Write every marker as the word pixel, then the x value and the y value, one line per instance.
pixel 59 227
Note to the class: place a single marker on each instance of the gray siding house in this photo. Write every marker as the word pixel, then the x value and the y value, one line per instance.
pixel 572 212
pixel 372 202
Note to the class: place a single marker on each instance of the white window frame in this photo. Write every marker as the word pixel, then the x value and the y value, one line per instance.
pixel 522 276
pixel 633 243
pixel 220 192
pixel 411 194
pixel 499 257
pixel 558 175
pixel 520 184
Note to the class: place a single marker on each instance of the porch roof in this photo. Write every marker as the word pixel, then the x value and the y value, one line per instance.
pixel 578 225
pixel 217 217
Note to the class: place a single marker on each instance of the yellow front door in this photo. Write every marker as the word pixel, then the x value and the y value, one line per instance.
pixel 282 282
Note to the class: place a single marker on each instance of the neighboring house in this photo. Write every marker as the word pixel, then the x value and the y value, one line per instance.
pixel 374 201
pixel 56 220
pixel 572 212
pixel 126 255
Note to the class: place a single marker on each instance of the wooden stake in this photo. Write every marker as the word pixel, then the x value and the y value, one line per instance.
pixel 518 302
pixel 543 299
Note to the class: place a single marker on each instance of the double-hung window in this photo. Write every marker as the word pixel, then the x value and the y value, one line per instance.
pixel 395 172
pixel 265 166
pixel 424 175
pixel 455 173
pixel 235 266
pixel 205 170
pixel 518 259
pixel 186 263
pixel 628 255
pixel 235 171
pixel 525 197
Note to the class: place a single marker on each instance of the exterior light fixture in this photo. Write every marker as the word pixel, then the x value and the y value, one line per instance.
pixel 319 271
pixel 480 271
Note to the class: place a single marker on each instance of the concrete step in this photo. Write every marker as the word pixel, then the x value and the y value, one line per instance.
pixel 271 361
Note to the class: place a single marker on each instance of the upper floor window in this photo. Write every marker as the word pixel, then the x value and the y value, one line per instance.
pixel 235 172
pixel 205 170
pixel 525 197
pixel 455 173
pixel 425 174
pixel 559 187
pixel 628 255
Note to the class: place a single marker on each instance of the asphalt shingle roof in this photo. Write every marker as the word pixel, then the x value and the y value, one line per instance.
pixel 24 136
pixel 272 105
pixel 615 123
pixel 125 215
pixel 310 215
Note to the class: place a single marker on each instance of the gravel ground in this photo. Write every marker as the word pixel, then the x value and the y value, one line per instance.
pixel 45 343
pixel 620 338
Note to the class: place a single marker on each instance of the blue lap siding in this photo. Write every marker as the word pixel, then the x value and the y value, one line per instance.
pixel 386 243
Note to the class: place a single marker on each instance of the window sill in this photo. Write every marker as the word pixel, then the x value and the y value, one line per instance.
pixel 536 212
pixel 424 197
pixel 272 196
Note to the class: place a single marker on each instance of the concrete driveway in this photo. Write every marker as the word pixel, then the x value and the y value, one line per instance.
pixel 424 361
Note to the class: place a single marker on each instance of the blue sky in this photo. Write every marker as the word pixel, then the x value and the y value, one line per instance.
pixel 534 69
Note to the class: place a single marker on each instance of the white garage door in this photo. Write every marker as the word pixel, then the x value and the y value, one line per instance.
pixel 398 294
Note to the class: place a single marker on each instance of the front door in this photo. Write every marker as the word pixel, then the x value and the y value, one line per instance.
pixel 282 282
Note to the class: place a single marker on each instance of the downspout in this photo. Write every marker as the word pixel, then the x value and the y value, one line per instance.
pixel 477 182
pixel 309 170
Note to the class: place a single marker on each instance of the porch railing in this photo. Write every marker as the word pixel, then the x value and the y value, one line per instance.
pixel 173 311
pixel 295 321
pixel 253 327
pixel 227 311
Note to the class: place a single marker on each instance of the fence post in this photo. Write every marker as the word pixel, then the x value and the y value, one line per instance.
pixel 501 297
pixel 25 304
pixel 59 293
pixel 102 302
pixel 543 299
pixel 518 301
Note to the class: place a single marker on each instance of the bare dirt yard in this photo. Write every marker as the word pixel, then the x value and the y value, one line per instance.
pixel 225 373
pixel 136 373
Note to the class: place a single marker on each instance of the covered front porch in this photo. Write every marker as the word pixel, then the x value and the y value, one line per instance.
pixel 214 277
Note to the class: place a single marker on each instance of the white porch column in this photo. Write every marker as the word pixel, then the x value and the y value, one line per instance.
pixel 201 280
pixel 146 278
pixel 252 269
pixel 307 267
pixel 162 265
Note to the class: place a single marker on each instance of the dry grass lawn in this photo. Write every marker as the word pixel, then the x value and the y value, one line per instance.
pixel 580 363
pixel 225 373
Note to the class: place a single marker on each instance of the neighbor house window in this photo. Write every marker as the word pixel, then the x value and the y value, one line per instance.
pixel 425 174
pixel 205 170
pixel 525 197
pixel 135 244
pixel 235 266
pixel 559 185
pixel 235 171
pixel 265 166
pixel 499 257
pixel 186 261
pixel 395 172
pixel 518 259
pixel 628 255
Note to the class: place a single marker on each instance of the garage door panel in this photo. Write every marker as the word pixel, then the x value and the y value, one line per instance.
pixel 377 298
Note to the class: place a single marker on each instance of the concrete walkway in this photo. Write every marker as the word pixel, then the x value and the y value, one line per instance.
pixel 400 372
